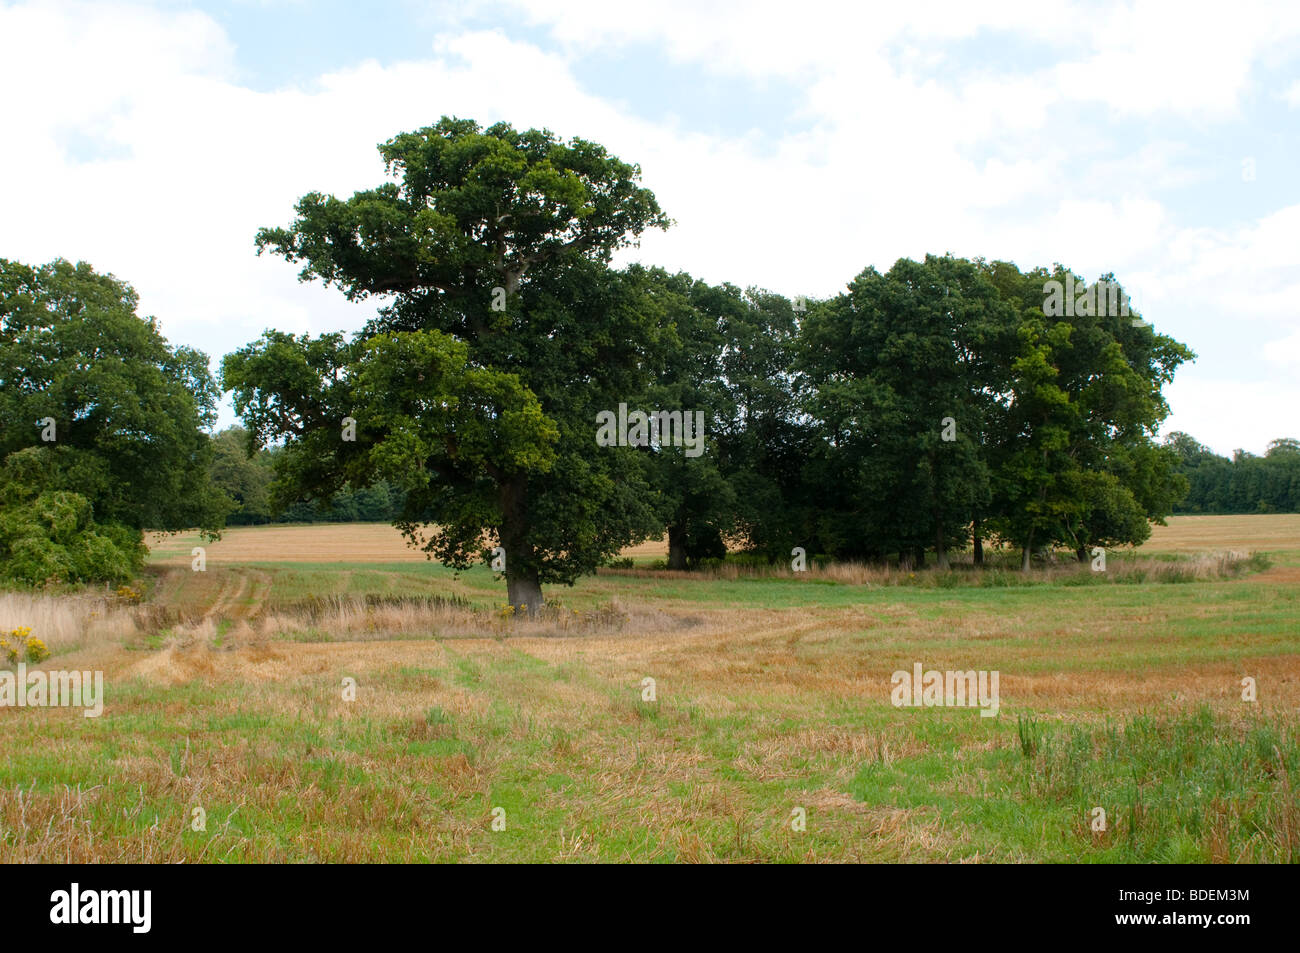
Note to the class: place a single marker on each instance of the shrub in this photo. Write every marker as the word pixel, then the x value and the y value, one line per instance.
pixel 53 539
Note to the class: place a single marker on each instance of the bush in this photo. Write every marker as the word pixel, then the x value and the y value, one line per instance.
pixel 53 539
pixel 33 560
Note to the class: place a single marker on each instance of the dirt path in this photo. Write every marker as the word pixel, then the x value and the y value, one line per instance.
pixel 242 595
pixel 234 586
pixel 222 592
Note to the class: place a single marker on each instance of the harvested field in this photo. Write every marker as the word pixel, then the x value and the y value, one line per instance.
pixel 768 695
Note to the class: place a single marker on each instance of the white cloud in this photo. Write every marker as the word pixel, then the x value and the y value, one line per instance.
pixel 771 38
pixel 1135 57
pixel 1284 351
pixel 1184 58
pixel 141 152
pixel 1227 415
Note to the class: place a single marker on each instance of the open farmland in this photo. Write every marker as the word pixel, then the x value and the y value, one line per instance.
pixel 314 543
pixel 1277 532
pixel 771 697
pixel 381 543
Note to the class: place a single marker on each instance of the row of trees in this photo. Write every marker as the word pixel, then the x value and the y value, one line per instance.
pixel 931 407
pixel 926 408
pixel 1244 484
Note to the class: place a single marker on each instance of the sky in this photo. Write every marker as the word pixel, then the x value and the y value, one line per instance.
pixel 794 145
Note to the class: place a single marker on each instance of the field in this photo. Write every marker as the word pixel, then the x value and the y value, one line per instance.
pixel 770 735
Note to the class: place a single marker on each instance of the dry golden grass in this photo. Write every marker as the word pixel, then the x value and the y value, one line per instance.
pixel 1255 533
pixel 644 768
pixel 348 618
pixel 380 543
pixel 64 621
pixel 323 543
pixel 788 656
pixel 318 543
pixel 1220 564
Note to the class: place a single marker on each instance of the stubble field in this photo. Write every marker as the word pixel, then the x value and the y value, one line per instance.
pixel 770 735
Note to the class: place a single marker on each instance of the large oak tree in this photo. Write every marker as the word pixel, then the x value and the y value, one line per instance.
pixel 502 333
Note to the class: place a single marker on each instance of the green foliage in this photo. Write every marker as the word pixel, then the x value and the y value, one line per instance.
pixel 905 368
pixel 421 412
pixel 1085 400
pixel 474 208
pixel 950 406
pixel 1189 787
pixel 128 410
pixel 101 427
pixel 1029 733
pixel 473 390
pixel 694 500
pixel 937 403
pixel 246 480
pixel 52 539
pixel 764 437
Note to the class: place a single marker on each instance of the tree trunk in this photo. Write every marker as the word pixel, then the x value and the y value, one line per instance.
pixel 940 547
pixel 677 547
pixel 919 558
pixel 1082 553
pixel 523 589
pixel 979 545
pixel 1027 553
pixel 523 583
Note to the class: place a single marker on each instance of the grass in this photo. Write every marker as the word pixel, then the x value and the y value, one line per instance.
pixel 68 622
pixel 772 693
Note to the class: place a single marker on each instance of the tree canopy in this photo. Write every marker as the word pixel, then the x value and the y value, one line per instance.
pixel 943 401
pixel 503 332
pixel 101 427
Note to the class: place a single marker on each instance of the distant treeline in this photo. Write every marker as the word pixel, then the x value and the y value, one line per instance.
pixel 1244 484
pixel 247 482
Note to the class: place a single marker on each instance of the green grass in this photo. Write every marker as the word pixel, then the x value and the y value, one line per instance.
pixel 772 695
